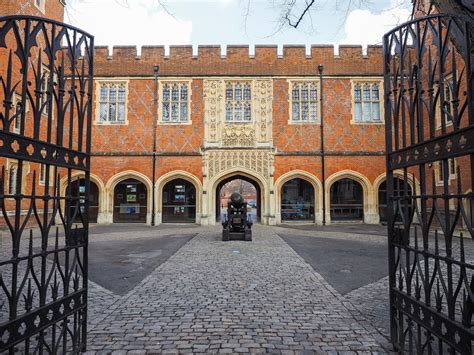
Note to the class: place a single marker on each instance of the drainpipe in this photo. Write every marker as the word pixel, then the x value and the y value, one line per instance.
pixel 323 165
pixel 156 68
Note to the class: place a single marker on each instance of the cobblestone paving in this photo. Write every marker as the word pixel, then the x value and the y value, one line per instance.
pixel 233 297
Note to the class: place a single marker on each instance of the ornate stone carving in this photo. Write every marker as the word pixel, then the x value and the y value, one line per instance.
pixel 252 134
pixel 263 109
pixel 259 161
pixel 238 135
pixel 213 91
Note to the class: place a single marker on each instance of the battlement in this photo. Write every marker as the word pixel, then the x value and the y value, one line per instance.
pixel 238 60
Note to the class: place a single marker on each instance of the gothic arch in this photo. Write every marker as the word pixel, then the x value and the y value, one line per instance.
pixel 304 175
pixel 96 180
pixel 173 175
pixel 252 175
pixel 412 182
pixel 368 194
pixel 124 175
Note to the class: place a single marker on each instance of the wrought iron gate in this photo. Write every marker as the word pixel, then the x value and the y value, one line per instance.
pixel 45 117
pixel 429 112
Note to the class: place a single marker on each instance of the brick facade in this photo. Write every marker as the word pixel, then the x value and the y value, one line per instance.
pixel 270 150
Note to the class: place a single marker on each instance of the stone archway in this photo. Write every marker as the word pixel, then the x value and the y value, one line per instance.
pixel 244 174
pixel 219 204
pixel 370 216
pixel 174 175
pixel 308 177
pixel 128 175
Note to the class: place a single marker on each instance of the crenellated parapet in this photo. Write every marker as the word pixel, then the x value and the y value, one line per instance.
pixel 237 60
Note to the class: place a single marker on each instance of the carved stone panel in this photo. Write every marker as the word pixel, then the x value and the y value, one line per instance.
pixel 213 104
pixel 258 161
pixel 220 133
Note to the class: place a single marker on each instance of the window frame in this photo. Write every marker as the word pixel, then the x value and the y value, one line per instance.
pixel 363 81
pixel 447 78
pixel 41 7
pixel 171 81
pixel 293 81
pixel 242 81
pixel 15 100
pixel 452 176
pixel 111 81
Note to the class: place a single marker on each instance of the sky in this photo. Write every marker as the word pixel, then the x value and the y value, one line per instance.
pixel 230 22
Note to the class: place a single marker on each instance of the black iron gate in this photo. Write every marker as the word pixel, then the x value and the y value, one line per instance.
pixel 45 129
pixel 429 112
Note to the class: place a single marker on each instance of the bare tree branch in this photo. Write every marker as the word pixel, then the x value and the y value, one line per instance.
pixel 302 15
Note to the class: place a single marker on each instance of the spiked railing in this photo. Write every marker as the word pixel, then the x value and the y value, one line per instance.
pixel 46 72
pixel 429 108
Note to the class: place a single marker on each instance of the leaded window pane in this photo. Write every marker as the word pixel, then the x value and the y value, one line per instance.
pixel 376 111
pixel 247 112
pixel 358 112
pixel 113 93
pixel 184 92
pixel 103 112
pixel 175 93
pixel 103 92
pixel 238 112
pixel 296 92
pixel 375 93
pixel 313 93
pixel 112 112
pixel 121 113
pixel 166 93
pixel 121 93
pixel 229 112
pixel 229 92
pixel 174 111
pixel 247 92
pixel 184 111
pixel 304 92
pixel 296 111
pixel 238 102
pixel 314 111
pixel 357 93
pixel 304 111
pixel 166 111
pixel 238 92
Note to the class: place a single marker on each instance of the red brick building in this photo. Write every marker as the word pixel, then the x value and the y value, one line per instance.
pixel 306 130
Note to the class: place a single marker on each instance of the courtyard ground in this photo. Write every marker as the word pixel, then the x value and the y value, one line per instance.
pixel 294 289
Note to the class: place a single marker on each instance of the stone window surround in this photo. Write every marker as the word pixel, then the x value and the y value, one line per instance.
pixel 290 82
pixel 98 83
pixel 15 99
pixel 41 6
pixel 447 78
pixel 437 167
pixel 26 170
pixel 361 81
pixel 242 81
pixel 160 100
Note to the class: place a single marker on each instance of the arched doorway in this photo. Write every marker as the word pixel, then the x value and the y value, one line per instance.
pixel 398 191
pixel 179 202
pixel 347 200
pixel 130 202
pixel 244 185
pixel 78 188
pixel 297 201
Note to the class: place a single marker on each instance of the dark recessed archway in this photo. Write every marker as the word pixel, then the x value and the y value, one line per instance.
pixel 254 203
pixel 347 200
pixel 179 202
pixel 130 202
pixel 399 186
pixel 297 200
pixel 78 188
